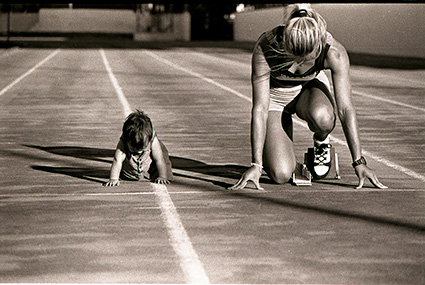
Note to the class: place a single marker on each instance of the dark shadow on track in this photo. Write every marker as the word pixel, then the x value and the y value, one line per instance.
pixel 98 175
pixel 86 173
pixel 106 155
pixel 262 195
pixel 195 166
pixel 226 170
pixel 90 153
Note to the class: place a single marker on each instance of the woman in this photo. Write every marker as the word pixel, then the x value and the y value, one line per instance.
pixel 288 78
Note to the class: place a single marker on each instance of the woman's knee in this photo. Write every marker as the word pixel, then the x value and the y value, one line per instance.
pixel 280 175
pixel 322 118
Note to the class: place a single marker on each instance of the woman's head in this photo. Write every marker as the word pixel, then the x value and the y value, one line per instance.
pixel 305 33
pixel 137 130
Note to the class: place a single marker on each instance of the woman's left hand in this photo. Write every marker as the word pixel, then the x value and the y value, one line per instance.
pixel 363 172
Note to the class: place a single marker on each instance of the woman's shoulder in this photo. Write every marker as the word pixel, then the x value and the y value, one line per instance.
pixel 337 55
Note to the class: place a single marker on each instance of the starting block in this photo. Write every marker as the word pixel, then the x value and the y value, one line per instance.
pixel 301 176
pixel 304 173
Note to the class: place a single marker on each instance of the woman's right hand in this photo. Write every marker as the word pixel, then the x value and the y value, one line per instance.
pixel 252 174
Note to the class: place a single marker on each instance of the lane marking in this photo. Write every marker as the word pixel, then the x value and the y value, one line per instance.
pixel 364 72
pixel 192 268
pixel 388 163
pixel 117 87
pixel 195 74
pixel 190 264
pixel 4 90
pixel 389 101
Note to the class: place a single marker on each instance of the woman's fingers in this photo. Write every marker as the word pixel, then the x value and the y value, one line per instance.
pixel 374 180
pixel 257 184
pixel 239 185
pixel 361 182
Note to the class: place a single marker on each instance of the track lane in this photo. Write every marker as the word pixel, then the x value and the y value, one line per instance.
pixel 241 237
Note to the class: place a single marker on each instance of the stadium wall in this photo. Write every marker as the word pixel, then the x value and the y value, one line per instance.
pixel 376 29
pixel 19 22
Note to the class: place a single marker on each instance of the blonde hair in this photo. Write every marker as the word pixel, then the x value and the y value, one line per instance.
pixel 305 35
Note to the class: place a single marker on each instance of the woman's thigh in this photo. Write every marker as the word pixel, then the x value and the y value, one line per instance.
pixel 278 155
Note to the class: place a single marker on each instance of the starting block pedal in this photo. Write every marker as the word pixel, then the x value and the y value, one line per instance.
pixel 301 176
pixel 333 171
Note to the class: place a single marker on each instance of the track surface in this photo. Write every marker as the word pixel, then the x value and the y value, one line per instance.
pixel 61 112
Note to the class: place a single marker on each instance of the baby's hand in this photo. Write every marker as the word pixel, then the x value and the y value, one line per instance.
pixel 112 182
pixel 162 180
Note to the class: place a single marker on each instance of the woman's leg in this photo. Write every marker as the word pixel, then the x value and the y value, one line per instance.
pixel 278 155
pixel 315 106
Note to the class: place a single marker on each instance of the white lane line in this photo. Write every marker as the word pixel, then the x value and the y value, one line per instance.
pixel 117 87
pixel 189 261
pixel 163 60
pixel 389 101
pixel 192 268
pixel 388 163
pixel 224 60
pixel 4 90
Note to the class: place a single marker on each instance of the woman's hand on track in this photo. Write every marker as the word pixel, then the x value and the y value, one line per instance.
pixel 363 172
pixel 252 174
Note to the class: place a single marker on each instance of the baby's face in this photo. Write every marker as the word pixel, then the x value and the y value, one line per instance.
pixel 132 149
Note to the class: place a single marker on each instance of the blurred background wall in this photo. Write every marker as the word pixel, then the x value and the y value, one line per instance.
pixel 381 29
pixel 374 29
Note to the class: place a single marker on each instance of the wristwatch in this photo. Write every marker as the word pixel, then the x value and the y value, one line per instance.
pixel 362 160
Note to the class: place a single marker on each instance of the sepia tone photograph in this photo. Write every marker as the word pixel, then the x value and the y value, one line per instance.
pixel 212 143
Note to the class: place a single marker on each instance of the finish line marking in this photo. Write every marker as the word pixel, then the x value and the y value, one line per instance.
pixel 190 264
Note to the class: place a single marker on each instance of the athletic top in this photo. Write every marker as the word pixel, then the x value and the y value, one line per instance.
pixel 279 62
pixel 136 165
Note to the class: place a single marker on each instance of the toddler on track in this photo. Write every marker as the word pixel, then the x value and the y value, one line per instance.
pixel 140 154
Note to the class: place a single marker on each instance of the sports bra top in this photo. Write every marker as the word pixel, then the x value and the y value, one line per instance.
pixel 279 62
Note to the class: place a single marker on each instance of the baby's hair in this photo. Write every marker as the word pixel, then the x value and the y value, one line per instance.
pixel 137 130
pixel 304 35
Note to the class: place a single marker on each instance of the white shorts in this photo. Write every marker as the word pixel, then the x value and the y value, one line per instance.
pixel 282 96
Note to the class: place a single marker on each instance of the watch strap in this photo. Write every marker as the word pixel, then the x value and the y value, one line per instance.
pixel 362 160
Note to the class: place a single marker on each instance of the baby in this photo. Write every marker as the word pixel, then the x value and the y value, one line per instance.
pixel 140 154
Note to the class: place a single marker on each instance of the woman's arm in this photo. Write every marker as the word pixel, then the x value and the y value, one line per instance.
pixel 260 80
pixel 338 62
pixel 158 157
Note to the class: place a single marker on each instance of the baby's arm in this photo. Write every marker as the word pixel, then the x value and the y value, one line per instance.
pixel 158 157
pixel 116 168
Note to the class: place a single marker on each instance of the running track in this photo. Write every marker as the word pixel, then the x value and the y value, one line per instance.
pixel 61 114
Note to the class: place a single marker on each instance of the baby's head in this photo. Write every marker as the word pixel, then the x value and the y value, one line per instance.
pixel 137 131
